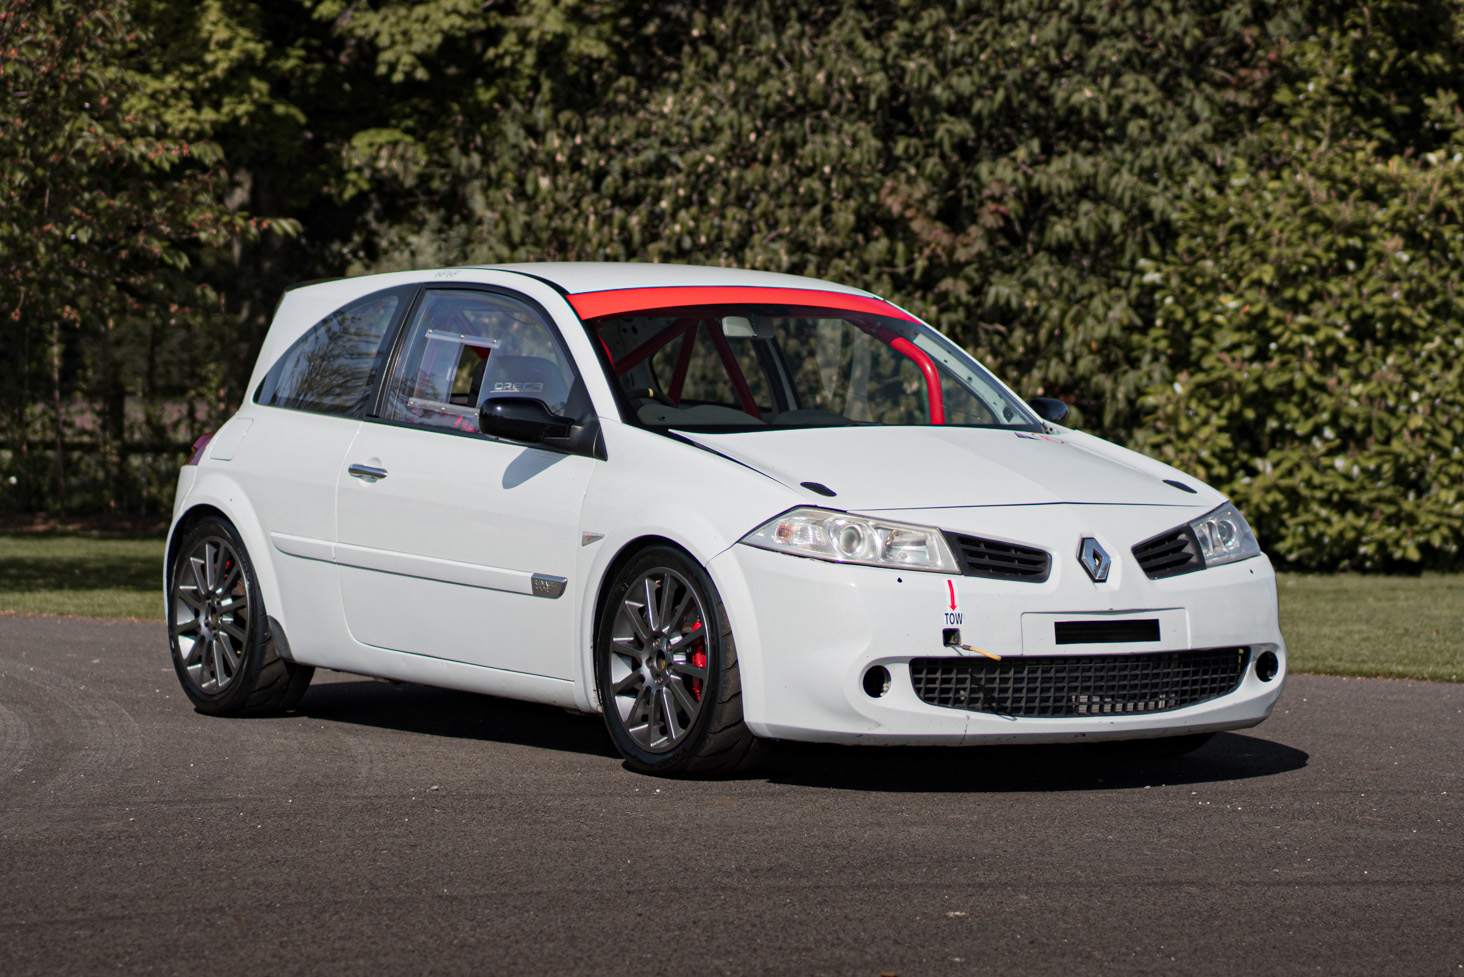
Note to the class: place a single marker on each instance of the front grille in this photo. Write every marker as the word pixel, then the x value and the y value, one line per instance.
pixel 1079 685
pixel 1105 632
pixel 1170 554
pixel 1004 561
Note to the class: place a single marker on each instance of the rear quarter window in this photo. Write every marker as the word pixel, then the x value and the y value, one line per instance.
pixel 330 369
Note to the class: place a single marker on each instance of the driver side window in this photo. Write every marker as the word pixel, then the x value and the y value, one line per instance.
pixel 466 346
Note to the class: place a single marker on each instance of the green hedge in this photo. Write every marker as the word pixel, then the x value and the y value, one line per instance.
pixel 1123 205
pixel 1312 305
pixel 999 168
pixel 1311 314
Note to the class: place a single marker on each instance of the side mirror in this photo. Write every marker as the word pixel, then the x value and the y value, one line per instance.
pixel 529 421
pixel 521 419
pixel 1049 409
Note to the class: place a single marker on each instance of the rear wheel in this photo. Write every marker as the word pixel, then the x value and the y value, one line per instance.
pixel 666 670
pixel 222 646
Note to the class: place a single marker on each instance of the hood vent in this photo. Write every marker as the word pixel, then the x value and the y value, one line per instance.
pixel 1002 561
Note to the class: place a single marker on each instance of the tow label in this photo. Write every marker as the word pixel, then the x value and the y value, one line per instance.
pixel 953 612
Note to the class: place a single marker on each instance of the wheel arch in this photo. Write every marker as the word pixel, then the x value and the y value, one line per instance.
pixel 205 504
pixel 725 742
pixel 182 527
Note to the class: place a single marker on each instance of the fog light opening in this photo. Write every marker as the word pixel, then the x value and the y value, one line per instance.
pixel 877 681
pixel 1266 666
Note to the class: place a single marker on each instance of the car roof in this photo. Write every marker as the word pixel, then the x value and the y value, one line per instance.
pixel 579 277
pixel 572 278
pixel 593 288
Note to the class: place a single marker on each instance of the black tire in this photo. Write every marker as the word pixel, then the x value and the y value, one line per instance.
pixel 664 654
pixel 1163 748
pixel 218 633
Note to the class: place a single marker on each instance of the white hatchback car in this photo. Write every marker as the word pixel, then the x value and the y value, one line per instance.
pixel 719 507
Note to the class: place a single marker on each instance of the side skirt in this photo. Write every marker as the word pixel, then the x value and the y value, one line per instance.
pixel 399 666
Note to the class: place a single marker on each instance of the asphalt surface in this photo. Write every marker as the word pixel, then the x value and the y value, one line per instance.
pixel 400 829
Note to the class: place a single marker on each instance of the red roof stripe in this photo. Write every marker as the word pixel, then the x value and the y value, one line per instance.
pixel 592 305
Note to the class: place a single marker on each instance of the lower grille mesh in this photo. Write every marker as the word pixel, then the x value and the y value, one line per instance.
pixel 1080 685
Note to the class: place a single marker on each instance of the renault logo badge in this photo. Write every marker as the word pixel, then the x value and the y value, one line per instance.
pixel 1094 559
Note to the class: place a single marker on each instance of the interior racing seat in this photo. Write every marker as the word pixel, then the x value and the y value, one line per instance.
pixel 507 375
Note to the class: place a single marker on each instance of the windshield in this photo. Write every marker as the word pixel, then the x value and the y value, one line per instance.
pixel 751 366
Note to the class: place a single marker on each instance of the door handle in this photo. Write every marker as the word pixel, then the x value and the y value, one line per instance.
pixel 367 472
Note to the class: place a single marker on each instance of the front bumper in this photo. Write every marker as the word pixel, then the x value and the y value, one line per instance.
pixel 807 631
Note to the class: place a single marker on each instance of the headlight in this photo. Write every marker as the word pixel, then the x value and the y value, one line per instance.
pixel 843 538
pixel 1224 536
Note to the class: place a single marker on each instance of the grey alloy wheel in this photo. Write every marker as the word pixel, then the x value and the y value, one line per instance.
pixel 225 649
pixel 666 669
pixel 658 659
pixel 211 615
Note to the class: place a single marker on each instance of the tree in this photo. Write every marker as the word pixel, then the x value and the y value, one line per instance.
pixel 101 211
pixel 999 168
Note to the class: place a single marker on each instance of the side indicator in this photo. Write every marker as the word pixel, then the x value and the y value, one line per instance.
pixel 547 586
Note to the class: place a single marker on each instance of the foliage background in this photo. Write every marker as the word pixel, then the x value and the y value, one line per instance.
pixel 1226 232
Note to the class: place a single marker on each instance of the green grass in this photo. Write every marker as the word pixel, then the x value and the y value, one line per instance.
pixel 89 575
pixel 1335 624
pixel 1388 627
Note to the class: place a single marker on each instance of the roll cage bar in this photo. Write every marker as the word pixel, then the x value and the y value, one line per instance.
pixel 685 328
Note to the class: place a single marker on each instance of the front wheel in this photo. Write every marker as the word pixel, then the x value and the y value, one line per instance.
pixel 222 647
pixel 666 670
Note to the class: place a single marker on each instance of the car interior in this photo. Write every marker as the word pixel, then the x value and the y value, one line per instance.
pixel 752 368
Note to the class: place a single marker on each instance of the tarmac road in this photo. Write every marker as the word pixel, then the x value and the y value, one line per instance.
pixel 400 829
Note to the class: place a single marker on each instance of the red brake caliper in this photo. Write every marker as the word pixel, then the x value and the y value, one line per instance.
pixel 698 660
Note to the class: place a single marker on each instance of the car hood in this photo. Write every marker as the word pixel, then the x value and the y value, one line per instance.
pixel 871 468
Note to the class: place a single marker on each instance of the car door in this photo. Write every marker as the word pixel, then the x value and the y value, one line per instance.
pixel 452 544
pixel 292 445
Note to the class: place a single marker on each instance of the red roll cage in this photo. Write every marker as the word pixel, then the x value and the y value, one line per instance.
pixel 607 304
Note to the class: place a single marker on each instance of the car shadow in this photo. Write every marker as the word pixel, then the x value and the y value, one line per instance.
pixel 990 769
pixel 461 715
pixel 1016 769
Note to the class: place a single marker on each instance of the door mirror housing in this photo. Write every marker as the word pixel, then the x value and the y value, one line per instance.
pixel 1049 409
pixel 521 419
pixel 527 420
